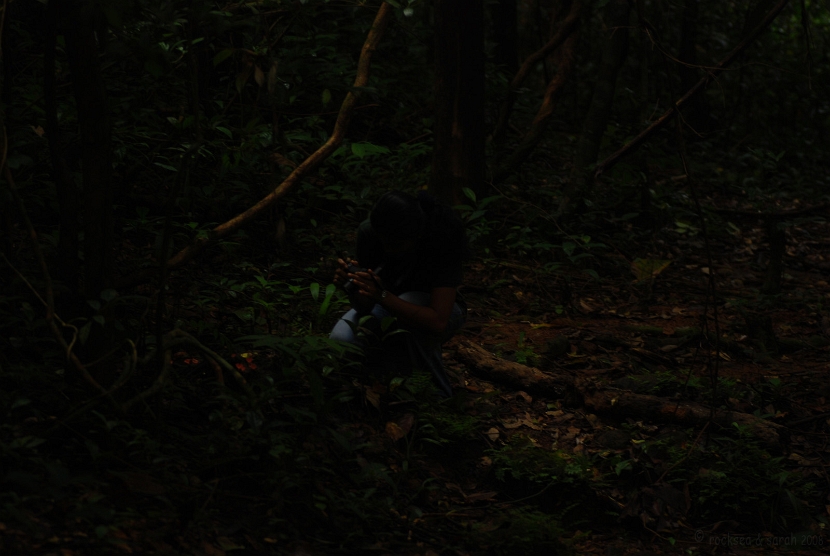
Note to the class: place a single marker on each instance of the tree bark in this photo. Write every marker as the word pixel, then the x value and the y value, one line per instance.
pixel 67 270
pixel 614 52
pixel 96 153
pixel 506 35
pixel 697 113
pixel 627 404
pixel 458 154
pixel 518 376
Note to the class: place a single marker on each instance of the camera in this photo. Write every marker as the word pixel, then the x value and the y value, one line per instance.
pixel 349 286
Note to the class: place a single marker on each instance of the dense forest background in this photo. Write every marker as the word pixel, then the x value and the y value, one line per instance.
pixel 644 186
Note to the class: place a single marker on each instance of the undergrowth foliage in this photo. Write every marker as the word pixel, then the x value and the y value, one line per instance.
pixel 251 427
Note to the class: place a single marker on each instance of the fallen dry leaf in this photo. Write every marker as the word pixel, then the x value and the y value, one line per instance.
pixel 142 484
pixel 525 396
pixel 373 397
pixel 211 550
pixel 406 422
pixel 645 269
pixel 393 431
pixel 482 496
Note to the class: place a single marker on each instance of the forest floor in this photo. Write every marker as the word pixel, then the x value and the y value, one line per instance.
pixel 635 336
pixel 495 470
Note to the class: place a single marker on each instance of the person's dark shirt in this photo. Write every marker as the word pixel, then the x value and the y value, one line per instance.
pixel 435 261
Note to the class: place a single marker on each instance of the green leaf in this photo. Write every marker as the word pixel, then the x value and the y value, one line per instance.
pixel 20 402
pixel 109 295
pixel 592 273
pixel 469 193
pixel 112 13
pixel 242 78
pixel 315 290
pixel 167 167
pixel 221 56
pixel 623 465
pixel 330 290
pixel 386 323
pixel 245 314
pixel 83 334
pixel 326 97
pixel 568 247
pixel 645 269
pixel 226 131
pixel 363 149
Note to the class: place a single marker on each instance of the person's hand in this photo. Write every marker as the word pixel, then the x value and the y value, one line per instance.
pixel 341 275
pixel 368 285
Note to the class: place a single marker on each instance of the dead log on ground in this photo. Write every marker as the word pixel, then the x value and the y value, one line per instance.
pixel 622 403
pixel 516 375
pixel 618 403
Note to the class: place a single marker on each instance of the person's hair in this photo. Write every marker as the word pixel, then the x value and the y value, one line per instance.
pixel 397 216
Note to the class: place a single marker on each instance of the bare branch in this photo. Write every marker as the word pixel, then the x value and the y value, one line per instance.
pixel 699 86
pixel 568 26
pixel 340 127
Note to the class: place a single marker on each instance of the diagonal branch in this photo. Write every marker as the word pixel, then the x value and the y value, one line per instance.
pixel 568 26
pixel 540 121
pixel 338 134
pixel 699 86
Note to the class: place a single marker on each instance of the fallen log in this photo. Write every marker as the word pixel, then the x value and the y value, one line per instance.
pixel 622 403
pixel 618 403
pixel 516 375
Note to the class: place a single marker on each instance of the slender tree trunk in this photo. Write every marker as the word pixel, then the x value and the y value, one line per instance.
pixel 67 270
pixel 506 34
pixel 697 113
pixel 458 157
pixel 6 227
pixel 95 134
pixel 614 52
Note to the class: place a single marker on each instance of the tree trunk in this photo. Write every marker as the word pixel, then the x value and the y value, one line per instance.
pixel 6 228
pixel 506 35
pixel 458 156
pixel 614 52
pixel 67 270
pixel 95 134
pixel 696 114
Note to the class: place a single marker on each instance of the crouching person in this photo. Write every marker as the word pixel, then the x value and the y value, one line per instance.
pixel 409 266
